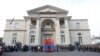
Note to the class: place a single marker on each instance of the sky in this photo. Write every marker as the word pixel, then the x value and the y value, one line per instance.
pixel 78 9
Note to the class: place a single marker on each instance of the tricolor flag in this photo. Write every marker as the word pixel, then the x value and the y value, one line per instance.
pixel 12 20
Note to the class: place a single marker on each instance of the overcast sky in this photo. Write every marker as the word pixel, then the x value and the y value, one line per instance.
pixel 78 9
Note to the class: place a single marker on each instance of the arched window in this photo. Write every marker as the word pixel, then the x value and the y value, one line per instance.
pixel 14 37
pixel 15 34
pixel 61 21
pixel 47 24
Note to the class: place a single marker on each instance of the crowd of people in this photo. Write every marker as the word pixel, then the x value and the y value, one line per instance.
pixel 91 48
pixel 17 48
pixel 83 48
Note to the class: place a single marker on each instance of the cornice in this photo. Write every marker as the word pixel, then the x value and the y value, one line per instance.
pixel 78 19
pixel 79 29
pixel 30 17
pixel 14 30
pixel 16 19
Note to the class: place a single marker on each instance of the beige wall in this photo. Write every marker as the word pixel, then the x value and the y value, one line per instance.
pixel 8 37
pixel 86 37
pixel 83 23
pixel 19 26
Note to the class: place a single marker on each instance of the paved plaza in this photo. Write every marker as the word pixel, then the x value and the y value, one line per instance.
pixel 74 53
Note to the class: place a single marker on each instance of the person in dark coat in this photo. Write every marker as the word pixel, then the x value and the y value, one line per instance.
pixel 16 48
pixel 1 49
pixel 83 48
pixel 25 48
pixel 32 48
pixel 41 48
pixel 98 48
pixel 35 49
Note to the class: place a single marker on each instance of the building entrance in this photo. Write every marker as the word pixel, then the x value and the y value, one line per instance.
pixel 48 45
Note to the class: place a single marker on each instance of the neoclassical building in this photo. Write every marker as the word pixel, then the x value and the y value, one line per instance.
pixel 47 22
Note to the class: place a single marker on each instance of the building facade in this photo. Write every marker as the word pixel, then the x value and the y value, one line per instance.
pixel 47 22
pixel 95 39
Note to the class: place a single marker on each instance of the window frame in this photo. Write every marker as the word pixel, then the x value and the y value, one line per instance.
pixel 14 38
pixel 78 25
pixel 63 38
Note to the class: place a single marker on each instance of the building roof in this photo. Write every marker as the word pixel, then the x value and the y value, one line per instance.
pixel 32 11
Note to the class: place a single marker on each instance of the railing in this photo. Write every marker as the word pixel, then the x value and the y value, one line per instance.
pixel 47 29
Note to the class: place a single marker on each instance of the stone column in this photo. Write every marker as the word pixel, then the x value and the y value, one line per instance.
pixel 38 31
pixel 67 36
pixel 57 28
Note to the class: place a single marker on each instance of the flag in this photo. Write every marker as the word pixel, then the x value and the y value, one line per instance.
pixel 12 20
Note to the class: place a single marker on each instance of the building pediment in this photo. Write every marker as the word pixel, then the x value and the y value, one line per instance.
pixel 46 9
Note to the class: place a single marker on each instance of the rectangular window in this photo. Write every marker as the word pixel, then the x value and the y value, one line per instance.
pixel 13 41
pixel 78 25
pixel 62 32
pixel 32 38
pixel 32 32
pixel 62 38
pixel 80 39
pixel 16 26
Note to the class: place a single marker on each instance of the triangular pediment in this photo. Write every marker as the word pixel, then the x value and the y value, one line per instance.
pixel 46 8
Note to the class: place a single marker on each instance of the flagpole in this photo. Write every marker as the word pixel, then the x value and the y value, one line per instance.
pixel 12 20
